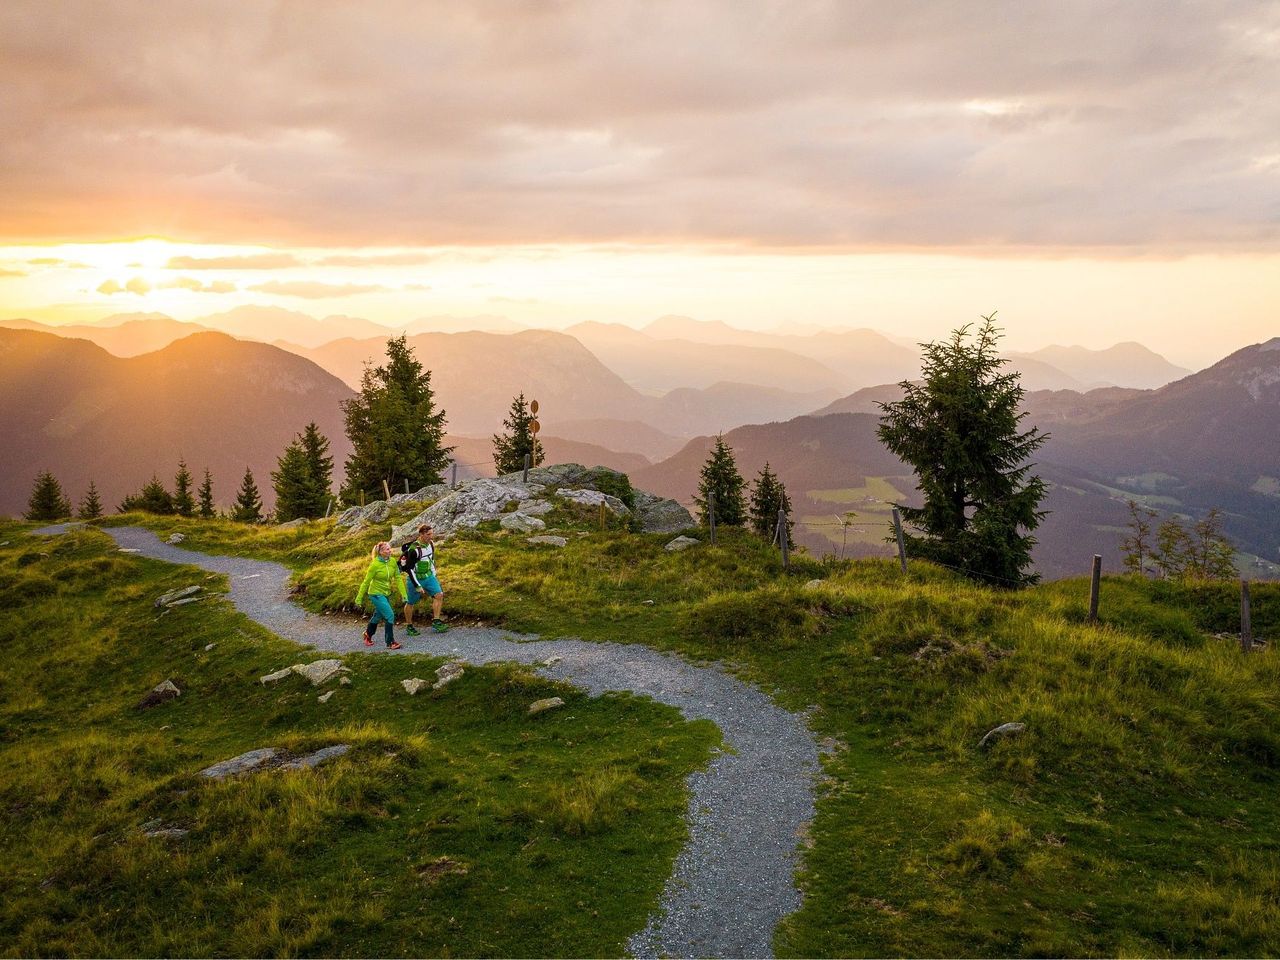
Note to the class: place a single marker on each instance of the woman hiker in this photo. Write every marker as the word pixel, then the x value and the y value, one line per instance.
pixel 377 585
pixel 418 561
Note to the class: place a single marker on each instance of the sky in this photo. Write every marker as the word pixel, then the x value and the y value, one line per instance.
pixel 1094 171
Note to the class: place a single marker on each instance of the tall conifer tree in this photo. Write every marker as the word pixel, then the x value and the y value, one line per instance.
pixel 768 496
pixel 183 503
pixel 396 432
pixel 248 507
pixel 207 509
pixel 91 505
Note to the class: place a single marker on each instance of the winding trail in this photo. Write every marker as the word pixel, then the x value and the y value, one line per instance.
pixel 734 880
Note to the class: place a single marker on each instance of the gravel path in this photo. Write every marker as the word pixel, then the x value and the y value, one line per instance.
pixel 734 880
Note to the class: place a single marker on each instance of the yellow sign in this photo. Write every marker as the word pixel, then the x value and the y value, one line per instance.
pixel 533 407
pixel 535 426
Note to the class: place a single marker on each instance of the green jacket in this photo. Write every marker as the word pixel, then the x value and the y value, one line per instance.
pixel 379 579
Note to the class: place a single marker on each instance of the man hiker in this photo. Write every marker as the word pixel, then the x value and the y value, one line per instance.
pixel 418 561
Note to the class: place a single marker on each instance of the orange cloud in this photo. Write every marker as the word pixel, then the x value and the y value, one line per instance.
pixel 313 290
pixel 256 261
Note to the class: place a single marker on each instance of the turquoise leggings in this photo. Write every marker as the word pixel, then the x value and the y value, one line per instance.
pixel 381 611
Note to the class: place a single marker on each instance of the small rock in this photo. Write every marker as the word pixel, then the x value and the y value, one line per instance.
pixel 184 601
pixel 318 671
pixel 345 681
pixel 550 703
pixel 548 540
pixel 277 676
pixel 175 538
pixel 165 599
pixel 681 543
pixel 160 693
pixel 551 661
pixel 292 524
pixel 521 523
pixel 1004 730
pixel 447 674
pixel 167 833
pixel 413 685
pixel 324 697
pixel 647 603
pixel 534 508
pixel 241 764
pixel 151 825
pixel 209 646
pixel 813 584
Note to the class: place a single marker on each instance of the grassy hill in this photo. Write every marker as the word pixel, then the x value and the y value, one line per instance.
pixel 1137 813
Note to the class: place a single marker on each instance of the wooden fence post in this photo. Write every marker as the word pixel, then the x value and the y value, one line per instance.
pixel 782 539
pixel 386 488
pixel 902 546
pixel 328 509
pixel 1094 585
pixel 601 514
pixel 711 513
pixel 1246 618
pixel 525 478
pixel 406 484
pixel 453 481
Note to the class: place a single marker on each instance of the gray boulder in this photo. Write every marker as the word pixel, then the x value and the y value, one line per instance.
pixel 1000 732
pixel 551 541
pixel 447 674
pixel 535 508
pixel 681 543
pixel 175 538
pixel 593 498
pixel 241 764
pixel 315 759
pixel 550 703
pixel 167 599
pixel 661 515
pixel 160 693
pixel 318 671
pixel 413 685
pixel 292 524
pixel 471 504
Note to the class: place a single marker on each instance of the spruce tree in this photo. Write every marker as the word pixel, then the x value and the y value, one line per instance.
pixel 293 484
pixel 153 498
pixel 959 429
pixel 315 447
pixel 720 476
pixel 47 500
pixel 509 449
pixel 183 503
pixel 768 496
pixel 91 505
pixel 207 511
pixel 248 506
pixel 396 432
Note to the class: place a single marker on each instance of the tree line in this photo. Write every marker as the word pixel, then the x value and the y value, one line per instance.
pixel 396 430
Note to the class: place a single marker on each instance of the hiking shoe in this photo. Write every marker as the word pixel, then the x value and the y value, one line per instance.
pixel 413 631
pixel 394 645
pixel 438 626
pixel 368 640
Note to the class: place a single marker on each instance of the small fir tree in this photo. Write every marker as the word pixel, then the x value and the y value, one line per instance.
pixel 153 498
pixel 768 496
pixel 91 505
pixel 1173 554
pixel 1212 551
pixel 315 447
pixel 509 449
pixel 720 476
pixel 183 503
pixel 207 510
pixel 248 506
pixel 959 430
pixel 47 500
pixel 1137 546
pixel 292 482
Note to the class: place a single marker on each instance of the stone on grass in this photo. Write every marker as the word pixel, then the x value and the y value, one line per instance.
pixel 176 538
pixel 277 676
pixel 292 524
pixel 520 523
pixel 550 703
pixel 184 601
pixel 209 646
pixel 167 833
pixel 681 543
pixel 345 681
pixel 547 539
pixel 813 584
pixel 318 671
pixel 165 599
pixel 160 693
pixel 446 674
pixel 551 661
pixel 413 685
pixel 1000 732
pixel 534 508
pixel 315 759
pixel 241 764
pixel 324 697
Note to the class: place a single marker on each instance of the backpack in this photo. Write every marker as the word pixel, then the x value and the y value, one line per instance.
pixel 408 558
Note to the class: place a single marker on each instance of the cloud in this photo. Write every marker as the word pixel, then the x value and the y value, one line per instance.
pixel 198 286
pixel 4 272
pixel 313 290
pixel 58 262
pixel 136 285
pixel 256 261
pixel 378 260
pixel 823 122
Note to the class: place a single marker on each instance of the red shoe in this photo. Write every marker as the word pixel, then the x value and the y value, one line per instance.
pixel 394 645
pixel 368 640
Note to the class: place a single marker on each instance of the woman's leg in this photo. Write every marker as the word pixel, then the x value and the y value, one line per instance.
pixel 383 607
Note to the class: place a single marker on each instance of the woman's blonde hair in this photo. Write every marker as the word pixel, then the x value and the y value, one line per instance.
pixel 378 548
